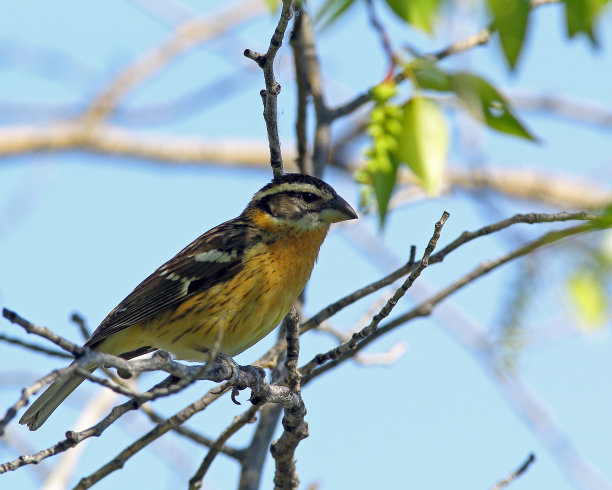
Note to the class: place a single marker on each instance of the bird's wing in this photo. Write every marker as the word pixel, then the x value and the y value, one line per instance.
pixel 214 257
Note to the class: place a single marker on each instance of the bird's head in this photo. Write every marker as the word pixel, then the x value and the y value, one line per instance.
pixel 301 201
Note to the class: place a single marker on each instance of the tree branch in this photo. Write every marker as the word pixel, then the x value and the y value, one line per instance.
pixel 185 37
pixel 294 425
pixel 273 88
pixel 44 332
pixel 239 421
pixel 254 456
pixel 425 308
pixel 481 37
pixel 303 160
pixel 369 330
pixel 34 347
pixel 515 474
pixel 321 144
pixel 191 434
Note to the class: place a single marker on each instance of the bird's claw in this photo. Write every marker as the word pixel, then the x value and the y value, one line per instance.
pixel 259 374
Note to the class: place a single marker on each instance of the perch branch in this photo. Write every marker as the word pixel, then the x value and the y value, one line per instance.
pixel 295 428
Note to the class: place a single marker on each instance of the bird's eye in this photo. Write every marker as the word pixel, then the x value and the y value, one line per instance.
pixel 309 197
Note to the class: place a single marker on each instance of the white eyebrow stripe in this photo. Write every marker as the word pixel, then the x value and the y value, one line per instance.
pixel 290 186
pixel 215 256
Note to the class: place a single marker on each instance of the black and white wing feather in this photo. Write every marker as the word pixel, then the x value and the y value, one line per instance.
pixel 214 257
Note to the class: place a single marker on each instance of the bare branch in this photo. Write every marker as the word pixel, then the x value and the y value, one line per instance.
pixel 391 356
pixel 292 324
pixel 304 162
pixel 564 105
pixel 515 474
pixel 254 456
pixel 312 68
pixel 382 34
pixel 186 36
pixel 26 393
pixel 559 190
pixel 294 425
pixel 44 332
pixel 190 434
pixel 342 303
pixel 273 88
pixel 159 430
pixel 563 191
pixel 244 378
pixel 65 466
pixel 113 140
pixel 425 308
pixel 239 421
pixel 82 324
pixel 34 347
pixel 481 37
pixel 464 238
pixel 384 312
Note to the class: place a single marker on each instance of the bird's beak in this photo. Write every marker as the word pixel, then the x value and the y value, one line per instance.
pixel 338 210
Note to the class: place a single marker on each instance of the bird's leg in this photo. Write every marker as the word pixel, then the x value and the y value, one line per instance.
pixel 260 379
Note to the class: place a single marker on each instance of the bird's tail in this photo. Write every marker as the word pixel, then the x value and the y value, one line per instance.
pixel 53 396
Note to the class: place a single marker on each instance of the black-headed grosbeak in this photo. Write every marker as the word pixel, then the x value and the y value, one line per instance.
pixel 241 277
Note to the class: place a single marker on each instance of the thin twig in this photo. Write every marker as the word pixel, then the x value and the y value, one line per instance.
pixel 355 296
pixel 425 308
pixel 391 356
pixel 303 160
pixel 82 324
pixel 464 238
pixel 481 37
pixel 321 144
pixel 190 433
pixel 369 330
pixel 383 35
pixel 515 474
pixel 27 392
pixel 44 332
pixel 34 347
pixel 273 88
pixel 186 36
pixel 159 430
pixel 239 421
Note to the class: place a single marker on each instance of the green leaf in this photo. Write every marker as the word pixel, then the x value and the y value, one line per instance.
pixel 486 104
pixel 383 181
pixel 429 77
pixel 510 20
pixel 423 142
pixel 580 15
pixel 588 296
pixel 419 13
pixel 330 11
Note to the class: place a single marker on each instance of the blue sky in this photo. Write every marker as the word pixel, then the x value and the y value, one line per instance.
pixel 79 231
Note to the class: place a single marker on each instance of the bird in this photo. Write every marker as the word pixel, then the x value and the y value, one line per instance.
pixel 237 280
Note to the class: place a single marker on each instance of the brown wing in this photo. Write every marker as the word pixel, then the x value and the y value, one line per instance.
pixel 213 257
